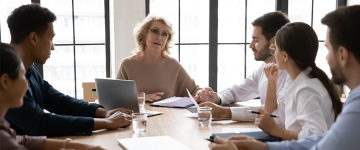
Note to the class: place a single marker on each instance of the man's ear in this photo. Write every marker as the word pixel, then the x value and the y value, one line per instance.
pixel 343 56
pixel 272 40
pixel 33 38
pixel 4 81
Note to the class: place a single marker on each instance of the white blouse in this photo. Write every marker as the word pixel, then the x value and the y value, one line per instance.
pixel 253 86
pixel 308 106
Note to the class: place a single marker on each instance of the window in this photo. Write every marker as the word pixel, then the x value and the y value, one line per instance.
pixel 6 8
pixel 311 12
pixel 80 50
pixel 79 53
pixel 235 35
pixel 353 2
pixel 235 60
pixel 192 41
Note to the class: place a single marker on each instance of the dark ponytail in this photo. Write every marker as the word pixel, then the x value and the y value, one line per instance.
pixel 9 61
pixel 300 42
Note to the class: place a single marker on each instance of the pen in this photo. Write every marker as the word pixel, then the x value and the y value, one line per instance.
pixel 255 112
pixel 211 140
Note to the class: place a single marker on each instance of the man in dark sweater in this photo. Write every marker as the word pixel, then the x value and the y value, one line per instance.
pixel 31 28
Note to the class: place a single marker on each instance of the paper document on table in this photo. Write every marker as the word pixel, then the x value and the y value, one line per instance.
pixel 192 115
pixel 180 102
pixel 239 130
pixel 192 99
pixel 152 143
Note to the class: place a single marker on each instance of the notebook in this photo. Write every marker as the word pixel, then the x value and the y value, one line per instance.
pixel 258 135
pixel 176 102
pixel 192 109
pixel 152 143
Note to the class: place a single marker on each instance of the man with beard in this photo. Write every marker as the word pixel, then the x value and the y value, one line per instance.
pixel 342 41
pixel 255 85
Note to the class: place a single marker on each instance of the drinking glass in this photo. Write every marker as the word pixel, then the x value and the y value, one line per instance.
pixel 139 122
pixel 204 116
pixel 141 101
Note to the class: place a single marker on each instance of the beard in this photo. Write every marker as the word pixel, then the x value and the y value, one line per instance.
pixel 263 54
pixel 337 76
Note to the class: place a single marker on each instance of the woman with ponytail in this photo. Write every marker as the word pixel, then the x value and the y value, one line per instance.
pixel 311 100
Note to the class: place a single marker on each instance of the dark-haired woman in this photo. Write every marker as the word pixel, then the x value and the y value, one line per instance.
pixel 311 100
pixel 13 86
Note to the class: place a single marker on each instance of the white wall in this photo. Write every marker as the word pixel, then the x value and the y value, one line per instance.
pixel 124 14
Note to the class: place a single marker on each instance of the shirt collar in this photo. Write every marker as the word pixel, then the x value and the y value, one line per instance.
pixel 354 93
pixel 28 73
pixel 292 85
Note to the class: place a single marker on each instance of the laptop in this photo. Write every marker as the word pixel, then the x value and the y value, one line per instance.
pixel 115 93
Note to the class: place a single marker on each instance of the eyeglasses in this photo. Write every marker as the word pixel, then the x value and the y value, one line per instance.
pixel 272 49
pixel 156 33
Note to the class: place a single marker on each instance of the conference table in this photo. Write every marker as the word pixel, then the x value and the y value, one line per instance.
pixel 172 122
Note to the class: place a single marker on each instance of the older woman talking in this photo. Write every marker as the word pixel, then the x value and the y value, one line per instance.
pixel 154 72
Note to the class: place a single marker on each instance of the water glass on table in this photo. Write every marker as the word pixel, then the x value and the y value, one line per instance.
pixel 204 116
pixel 139 122
pixel 141 101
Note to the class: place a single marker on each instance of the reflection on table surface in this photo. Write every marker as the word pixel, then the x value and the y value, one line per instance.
pixel 172 122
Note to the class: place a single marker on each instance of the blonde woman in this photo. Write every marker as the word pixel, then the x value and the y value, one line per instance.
pixel 154 72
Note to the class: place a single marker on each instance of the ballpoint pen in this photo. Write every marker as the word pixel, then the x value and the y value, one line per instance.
pixel 255 112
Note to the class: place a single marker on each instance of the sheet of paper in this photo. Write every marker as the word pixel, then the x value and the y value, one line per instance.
pixel 239 130
pixel 192 99
pixel 175 101
pixel 192 115
pixel 152 143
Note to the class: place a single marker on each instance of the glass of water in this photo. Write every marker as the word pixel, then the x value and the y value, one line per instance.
pixel 141 101
pixel 204 116
pixel 139 122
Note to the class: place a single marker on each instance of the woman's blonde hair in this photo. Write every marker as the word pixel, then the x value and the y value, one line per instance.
pixel 141 30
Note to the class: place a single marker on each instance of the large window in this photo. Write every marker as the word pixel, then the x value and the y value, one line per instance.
pixel 311 12
pixel 6 7
pixel 353 2
pixel 191 24
pixel 80 49
pixel 235 60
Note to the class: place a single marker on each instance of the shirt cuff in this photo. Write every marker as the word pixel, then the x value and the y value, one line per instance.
pixel 240 114
pixel 92 109
pixel 88 126
pixel 222 97
pixel 278 145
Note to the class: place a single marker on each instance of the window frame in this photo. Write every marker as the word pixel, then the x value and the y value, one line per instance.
pixel 74 44
pixel 213 34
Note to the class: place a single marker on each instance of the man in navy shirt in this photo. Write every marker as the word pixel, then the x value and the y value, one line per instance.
pixel 31 28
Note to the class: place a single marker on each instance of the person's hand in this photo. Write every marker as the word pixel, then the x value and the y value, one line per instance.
pixel 218 112
pixel 265 122
pixel 271 71
pixel 248 143
pixel 80 146
pixel 221 144
pixel 123 110
pixel 92 147
pixel 207 95
pixel 153 97
pixel 118 120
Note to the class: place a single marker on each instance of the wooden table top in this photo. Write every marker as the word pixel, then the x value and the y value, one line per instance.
pixel 171 123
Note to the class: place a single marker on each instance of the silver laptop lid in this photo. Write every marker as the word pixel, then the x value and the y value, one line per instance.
pixel 115 93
